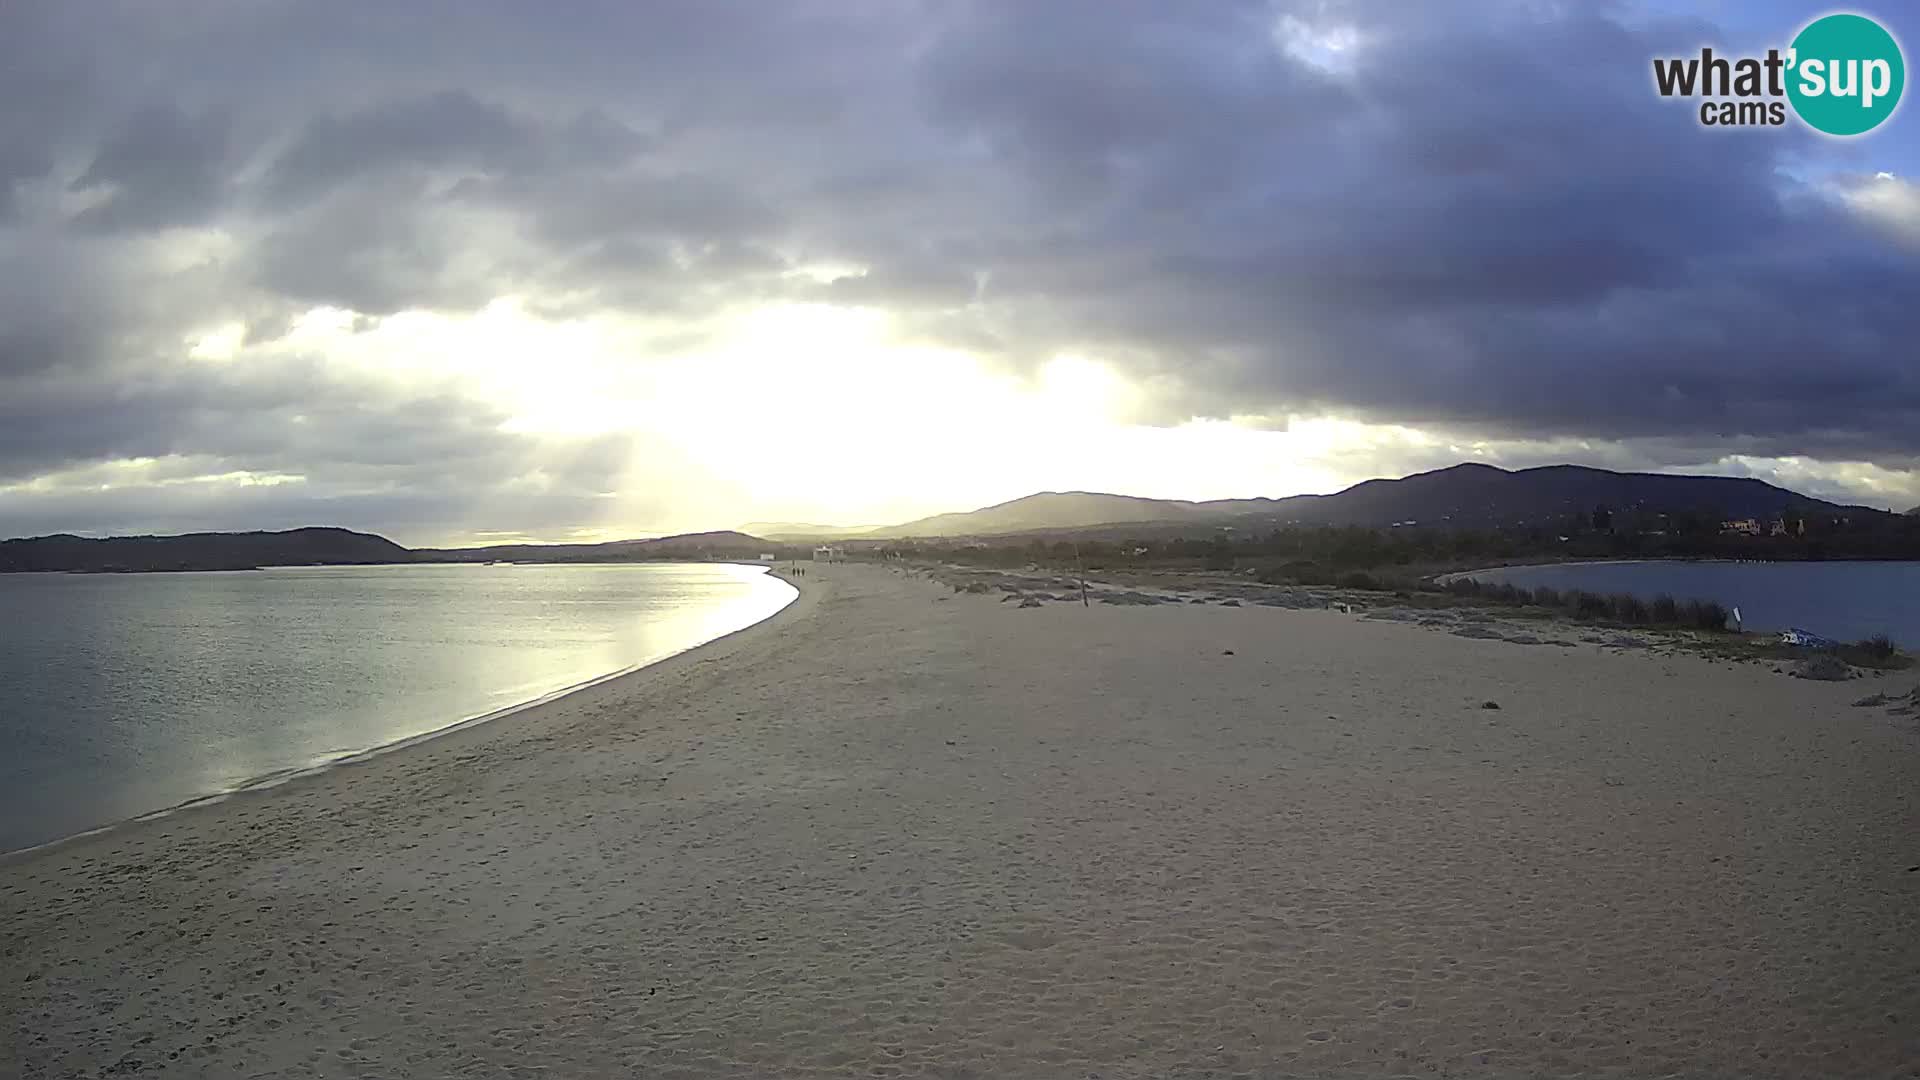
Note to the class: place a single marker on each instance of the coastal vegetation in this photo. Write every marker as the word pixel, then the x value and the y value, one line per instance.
pixel 1418 567
pixel 1327 551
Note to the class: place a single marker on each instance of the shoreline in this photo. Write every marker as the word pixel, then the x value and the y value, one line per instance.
pixel 259 785
pixel 1443 577
pixel 1852 621
pixel 903 830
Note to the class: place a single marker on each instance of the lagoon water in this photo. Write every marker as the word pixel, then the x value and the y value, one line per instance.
pixel 1843 600
pixel 123 694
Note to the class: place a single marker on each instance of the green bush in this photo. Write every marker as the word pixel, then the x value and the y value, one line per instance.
pixel 1704 615
pixel 1662 610
pixel 1627 608
pixel 1877 647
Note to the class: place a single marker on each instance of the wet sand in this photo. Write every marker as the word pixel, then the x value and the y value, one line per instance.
pixel 902 831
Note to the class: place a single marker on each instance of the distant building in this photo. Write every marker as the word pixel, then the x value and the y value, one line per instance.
pixel 766 556
pixel 1742 526
pixel 826 553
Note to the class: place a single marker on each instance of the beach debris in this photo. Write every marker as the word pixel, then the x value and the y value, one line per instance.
pixel 1489 704
pixel 1823 668
pixel 1870 700
pixel 1793 635
pixel 1132 597
pixel 1229 603
pixel 1030 602
pixel 1226 652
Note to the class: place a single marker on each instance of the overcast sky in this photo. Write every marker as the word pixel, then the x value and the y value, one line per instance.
pixel 485 268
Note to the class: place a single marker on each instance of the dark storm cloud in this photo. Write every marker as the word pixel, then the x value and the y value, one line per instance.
pixel 449 130
pixel 1493 225
pixel 42 92
pixel 270 415
pixel 425 465
pixel 1474 218
pixel 903 285
pixel 377 251
pixel 160 168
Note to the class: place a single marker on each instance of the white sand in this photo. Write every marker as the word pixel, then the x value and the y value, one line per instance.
pixel 898 832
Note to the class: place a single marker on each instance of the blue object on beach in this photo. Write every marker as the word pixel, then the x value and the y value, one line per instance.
pixel 1793 635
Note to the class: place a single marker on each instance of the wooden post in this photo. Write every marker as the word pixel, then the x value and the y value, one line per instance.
pixel 1082 565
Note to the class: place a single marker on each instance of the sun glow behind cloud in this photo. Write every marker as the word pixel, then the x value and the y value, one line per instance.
pixel 815 412
pixel 805 411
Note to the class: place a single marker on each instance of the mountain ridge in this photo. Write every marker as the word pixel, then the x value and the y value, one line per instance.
pixel 1470 494
pixel 1467 495
pixel 724 543
pixel 801 532
pixel 312 545
pixel 328 546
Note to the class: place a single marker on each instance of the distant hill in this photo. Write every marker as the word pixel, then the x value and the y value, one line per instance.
pixel 1915 512
pixel 1462 496
pixel 800 532
pixel 334 547
pixel 725 544
pixel 1482 495
pixel 198 551
pixel 1052 510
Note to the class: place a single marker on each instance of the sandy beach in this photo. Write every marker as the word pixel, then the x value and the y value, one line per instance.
pixel 902 831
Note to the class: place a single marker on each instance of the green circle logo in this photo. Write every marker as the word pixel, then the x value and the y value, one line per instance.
pixel 1845 74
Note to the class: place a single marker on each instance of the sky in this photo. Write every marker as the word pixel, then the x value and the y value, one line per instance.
pixel 462 271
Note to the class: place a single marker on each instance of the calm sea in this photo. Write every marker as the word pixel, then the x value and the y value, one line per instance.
pixel 1843 600
pixel 123 694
